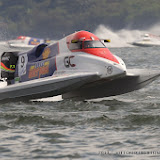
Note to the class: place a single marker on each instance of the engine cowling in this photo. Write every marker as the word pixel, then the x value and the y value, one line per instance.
pixel 8 64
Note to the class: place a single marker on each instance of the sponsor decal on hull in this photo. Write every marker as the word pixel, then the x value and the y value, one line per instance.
pixel 67 62
pixel 39 71
pixel 46 53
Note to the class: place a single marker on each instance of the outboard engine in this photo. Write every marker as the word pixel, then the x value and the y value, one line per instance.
pixel 8 64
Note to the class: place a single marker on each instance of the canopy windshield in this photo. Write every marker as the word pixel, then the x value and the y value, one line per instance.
pixel 94 44
pixel 74 46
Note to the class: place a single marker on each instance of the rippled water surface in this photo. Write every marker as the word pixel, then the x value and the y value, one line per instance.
pixel 121 127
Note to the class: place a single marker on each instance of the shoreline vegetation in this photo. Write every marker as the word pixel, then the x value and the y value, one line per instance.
pixel 57 18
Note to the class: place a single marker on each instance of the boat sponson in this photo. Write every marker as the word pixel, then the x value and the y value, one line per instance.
pixel 46 87
pixel 134 80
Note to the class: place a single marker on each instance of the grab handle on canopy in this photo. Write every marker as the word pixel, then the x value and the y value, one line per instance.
pixel 74 41
pixel 107 40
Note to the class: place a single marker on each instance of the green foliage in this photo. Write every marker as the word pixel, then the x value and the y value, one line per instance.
pixel 54 18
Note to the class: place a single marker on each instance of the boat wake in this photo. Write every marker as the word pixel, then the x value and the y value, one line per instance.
pixel 123 37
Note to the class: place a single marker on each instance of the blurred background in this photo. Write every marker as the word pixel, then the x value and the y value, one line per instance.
pixel 56 18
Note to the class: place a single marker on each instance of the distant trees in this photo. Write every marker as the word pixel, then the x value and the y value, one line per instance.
pixel 55 18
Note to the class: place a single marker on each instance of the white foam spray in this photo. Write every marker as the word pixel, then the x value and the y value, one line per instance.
pixel 123 37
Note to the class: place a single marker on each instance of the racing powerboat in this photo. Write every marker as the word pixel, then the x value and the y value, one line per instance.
pixel 78 67
pixel 148 40
pixel 26 42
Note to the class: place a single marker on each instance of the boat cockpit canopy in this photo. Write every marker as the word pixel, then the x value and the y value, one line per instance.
pixel 94 44
pixel 86 44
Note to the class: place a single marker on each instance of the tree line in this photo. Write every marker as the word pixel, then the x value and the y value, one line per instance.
pixel 56 18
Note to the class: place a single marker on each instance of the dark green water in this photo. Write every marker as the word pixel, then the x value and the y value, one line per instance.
pixel 123 127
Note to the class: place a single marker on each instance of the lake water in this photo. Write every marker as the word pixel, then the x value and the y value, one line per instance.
pixel 122 127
